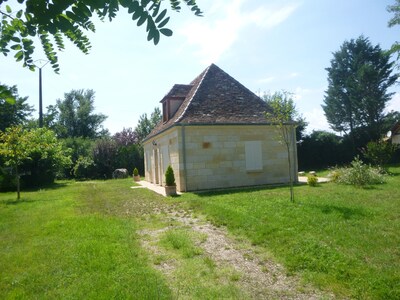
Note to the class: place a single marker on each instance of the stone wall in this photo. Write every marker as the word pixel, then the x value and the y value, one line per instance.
pixel 215 157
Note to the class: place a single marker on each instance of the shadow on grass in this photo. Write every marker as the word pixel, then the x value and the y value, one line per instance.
pixel 12 200
pixel 346 212
pixel 239 190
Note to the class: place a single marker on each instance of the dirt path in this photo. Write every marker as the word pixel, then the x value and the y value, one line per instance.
pixel 260 277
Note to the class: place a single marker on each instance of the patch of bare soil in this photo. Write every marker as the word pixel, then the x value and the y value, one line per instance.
pixel 261 278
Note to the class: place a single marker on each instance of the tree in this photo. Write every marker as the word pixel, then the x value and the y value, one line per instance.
pixel 146 125
pixel 283 113
pixel 395 20
pixel 52 21
pixel 126 137
pixel 379 153
pixel 358 82
pixel 322 149
pixel 13 148
pixel 13 113
pixel 40 146
pixel 74 116
pixel 389 120
pixel 104 155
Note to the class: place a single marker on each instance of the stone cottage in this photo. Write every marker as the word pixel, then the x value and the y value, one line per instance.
pixel 395 133
pixel 214 134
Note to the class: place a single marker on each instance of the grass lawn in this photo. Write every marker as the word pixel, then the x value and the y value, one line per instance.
pixel 339 238
pixel 85 240
pixel 69 242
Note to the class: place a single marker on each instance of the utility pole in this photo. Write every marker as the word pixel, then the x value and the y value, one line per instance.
pixel 40 65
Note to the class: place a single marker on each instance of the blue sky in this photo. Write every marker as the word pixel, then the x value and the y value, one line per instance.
pixel 266 45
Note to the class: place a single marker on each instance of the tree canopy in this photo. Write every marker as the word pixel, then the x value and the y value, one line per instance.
pixel 13 113
pixel 74 116
pixel 395 20
pixel 358 81
pixel 145 125
pixel 53 21
pixel 37 150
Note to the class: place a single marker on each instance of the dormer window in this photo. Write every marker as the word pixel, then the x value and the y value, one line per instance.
pixel 173 100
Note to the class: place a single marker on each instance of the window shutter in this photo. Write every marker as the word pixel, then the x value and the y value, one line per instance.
pixel 253 152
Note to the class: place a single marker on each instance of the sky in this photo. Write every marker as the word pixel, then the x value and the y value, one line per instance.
pixel 267 45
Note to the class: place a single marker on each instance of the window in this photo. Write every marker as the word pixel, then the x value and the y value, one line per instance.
pixel 253 153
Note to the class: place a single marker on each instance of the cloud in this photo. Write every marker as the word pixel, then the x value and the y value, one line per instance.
pixel 266 79
pixel 293 75
pixel 316 120
pixel 215 34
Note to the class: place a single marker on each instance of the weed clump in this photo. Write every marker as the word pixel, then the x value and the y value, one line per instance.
pixel 312 180
pixel 357 174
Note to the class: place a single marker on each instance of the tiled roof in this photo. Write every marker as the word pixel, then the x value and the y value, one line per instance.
pixel 214 97
pixel 178 91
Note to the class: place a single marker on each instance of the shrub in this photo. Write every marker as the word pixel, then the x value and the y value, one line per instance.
pixel 379 153
pixel 312 180
pixel 358 174
pixel 334 175
pixel 84 168
pixel 7 180
pixel 135 172
pixel 169 177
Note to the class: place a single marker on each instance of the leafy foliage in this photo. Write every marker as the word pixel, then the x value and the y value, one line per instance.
pixel 35 152
pixel 395 20
pixel 146 125
pixel 312 180
pixel 169 177
pixel 358 174
pixel 84 168
pixel 104 154
pixel 53 21
pixel 135 172
pixel 126 137
pixel 13 113
pixel 321 149
pixel 6 94
pixel 283 113
pixel 74 116
pixel 379 153
pixel 358 82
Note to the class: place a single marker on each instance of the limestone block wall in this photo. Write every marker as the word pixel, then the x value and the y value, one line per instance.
pixel 216 157
pixel 396 139
pixel 159 152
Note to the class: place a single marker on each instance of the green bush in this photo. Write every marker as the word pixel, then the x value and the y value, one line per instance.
pixel 312 180
pixel 379 153
pixel 169 176
pixel 135 172
pixel 7 180
pixel 84 168
pixel 358 174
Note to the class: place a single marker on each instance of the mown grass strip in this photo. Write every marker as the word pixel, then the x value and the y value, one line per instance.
pixel 340 238
pixel 53 246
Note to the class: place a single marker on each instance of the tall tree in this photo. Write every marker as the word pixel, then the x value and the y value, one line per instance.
pixel 74 116
pixel 13 113
pixel 395 20
pixel 358 81
pixel 126 137
pixel 146 125
pixel 52 21
pixel 283 114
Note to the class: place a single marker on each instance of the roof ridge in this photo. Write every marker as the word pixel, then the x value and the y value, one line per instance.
pixel 190 100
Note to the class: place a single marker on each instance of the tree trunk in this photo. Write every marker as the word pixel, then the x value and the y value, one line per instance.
pixel 290 173
pixel 18 184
